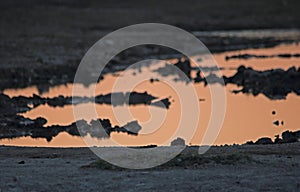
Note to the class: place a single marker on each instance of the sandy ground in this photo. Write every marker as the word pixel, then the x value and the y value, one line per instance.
pixel 272 168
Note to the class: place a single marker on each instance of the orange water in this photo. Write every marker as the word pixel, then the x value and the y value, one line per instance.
pixel 247 117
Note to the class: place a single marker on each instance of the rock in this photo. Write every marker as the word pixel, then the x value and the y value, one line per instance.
pixel 264 141
pixel 178 142
pixel 249 143
pixel 290 137
pixel 277 139
pixel 275 83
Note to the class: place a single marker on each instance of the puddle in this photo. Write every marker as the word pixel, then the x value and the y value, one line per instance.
pixel 248 117
pixel 260 64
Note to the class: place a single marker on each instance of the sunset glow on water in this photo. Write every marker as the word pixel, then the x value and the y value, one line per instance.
pixel 247 117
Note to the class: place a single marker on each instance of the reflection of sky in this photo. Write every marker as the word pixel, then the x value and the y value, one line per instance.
pixel 247 118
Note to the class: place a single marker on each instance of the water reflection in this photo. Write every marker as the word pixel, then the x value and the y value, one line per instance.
pixel 247 118
pixel 260 64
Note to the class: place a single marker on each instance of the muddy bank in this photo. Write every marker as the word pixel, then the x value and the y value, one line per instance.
pixel 13 125
pixel 231 168
pixel 286 137
pixel 43 44
pixel 274 83
pixel 18 126
pixel 250 56
pixel 24 104
pixel 21 69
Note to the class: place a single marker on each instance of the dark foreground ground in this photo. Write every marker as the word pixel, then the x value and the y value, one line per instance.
pixel 42 42
pixel 232 168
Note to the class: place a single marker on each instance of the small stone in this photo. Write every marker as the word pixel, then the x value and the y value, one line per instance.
pixel 264 141
pixel 21 162
pixel 178 142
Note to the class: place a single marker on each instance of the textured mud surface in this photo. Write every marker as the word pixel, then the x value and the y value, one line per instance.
pixel 42 42
pixel 231 168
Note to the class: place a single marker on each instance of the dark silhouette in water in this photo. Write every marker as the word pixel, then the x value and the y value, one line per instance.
pixel 22 103
pixel 13 125
pixel 287 137
pixel 274 83
pixel 250 56
pixel 23 127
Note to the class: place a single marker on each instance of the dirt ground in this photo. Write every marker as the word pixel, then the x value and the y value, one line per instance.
pixel 271 168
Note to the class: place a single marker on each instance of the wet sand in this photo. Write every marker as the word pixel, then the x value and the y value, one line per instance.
pixel 270 168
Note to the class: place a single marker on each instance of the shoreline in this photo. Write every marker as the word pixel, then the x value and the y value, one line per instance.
pixel 232 168
pixel 13 151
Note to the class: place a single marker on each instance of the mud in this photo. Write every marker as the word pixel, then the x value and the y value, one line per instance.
pixel 18 126
pixel 42 43
pixel 250 56
pixel 23 104
pixel 274 83
pixel 13 124
pixel 286 137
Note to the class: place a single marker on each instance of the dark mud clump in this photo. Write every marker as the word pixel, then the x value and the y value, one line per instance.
pixel 287 137
pixel 23 104
pixel 274 83
pixel 23 127
pixel 13 125
pixel 181 70
pixel 250 56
